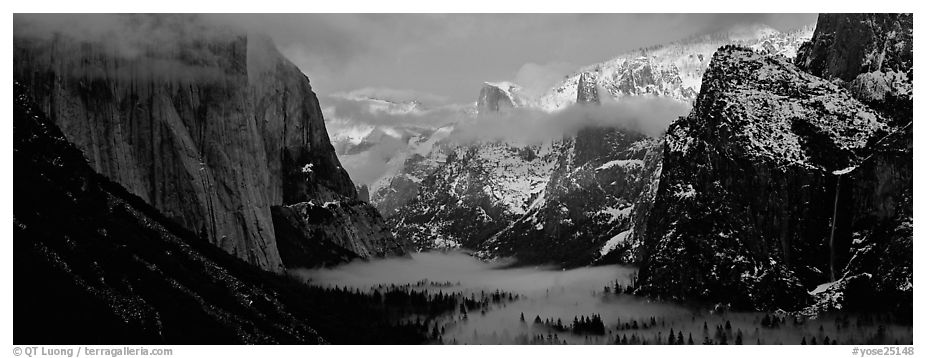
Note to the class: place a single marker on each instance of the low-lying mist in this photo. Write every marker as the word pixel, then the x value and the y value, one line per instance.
pixel 650 115
pixel 466 273
pixel 579 306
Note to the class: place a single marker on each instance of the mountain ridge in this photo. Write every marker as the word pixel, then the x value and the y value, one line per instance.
pixel 607 81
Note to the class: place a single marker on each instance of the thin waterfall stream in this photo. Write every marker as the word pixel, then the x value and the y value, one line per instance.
pixel 833 231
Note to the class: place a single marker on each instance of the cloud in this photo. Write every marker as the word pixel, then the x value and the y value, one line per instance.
pixel 355 109
pixel 367 167
pixel 536 79
pixel 381 121
pixel 469 272
pixel 184 47
pixel 647 114
pixel 126 35
pixel 388 127
pixel 392 95
pixel 446 54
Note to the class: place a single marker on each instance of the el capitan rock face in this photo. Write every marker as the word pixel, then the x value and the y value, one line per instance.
pixel 89 251
pixel 749 184
pixel 213 132
pixel 90 254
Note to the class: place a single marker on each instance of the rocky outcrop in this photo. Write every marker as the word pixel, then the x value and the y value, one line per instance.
pixel 845 46
pixel 476 193
pixel 585 210
pixel 749 186
pixel 398 190
pixel 211 130
pixel 869 54
pixel 312 233
pixel 495 97
pixel 425 152
pixel 587 89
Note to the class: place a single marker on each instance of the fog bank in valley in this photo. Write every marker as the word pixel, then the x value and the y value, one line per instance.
pixel 466 273
pixel 561 296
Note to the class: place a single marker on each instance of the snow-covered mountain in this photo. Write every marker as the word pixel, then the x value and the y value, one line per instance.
pixel 673 70
pixel 393 143
pixel 568 200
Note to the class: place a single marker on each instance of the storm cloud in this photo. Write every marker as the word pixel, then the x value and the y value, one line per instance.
pixel 443 55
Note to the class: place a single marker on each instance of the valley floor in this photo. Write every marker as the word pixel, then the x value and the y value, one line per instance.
pixel 540 305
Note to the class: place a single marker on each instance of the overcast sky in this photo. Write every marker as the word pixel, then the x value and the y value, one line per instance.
pixel 442 58
pixel 447 57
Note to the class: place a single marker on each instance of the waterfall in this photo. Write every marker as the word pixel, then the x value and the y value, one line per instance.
pixel 833 231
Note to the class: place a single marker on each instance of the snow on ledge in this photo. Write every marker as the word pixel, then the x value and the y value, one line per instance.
pixel 614 241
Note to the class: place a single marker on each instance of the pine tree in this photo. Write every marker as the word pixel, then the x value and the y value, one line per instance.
pixel 739 337
pixel 803 341
pixel 671 336
pixel 690 341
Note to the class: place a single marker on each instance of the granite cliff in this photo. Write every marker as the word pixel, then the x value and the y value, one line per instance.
pixel 214 130
pixel 775 183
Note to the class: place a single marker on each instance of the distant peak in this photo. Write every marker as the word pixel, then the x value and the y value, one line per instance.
pixel 496 96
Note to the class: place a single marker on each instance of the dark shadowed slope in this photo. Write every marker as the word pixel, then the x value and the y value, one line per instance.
pixel 96 264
